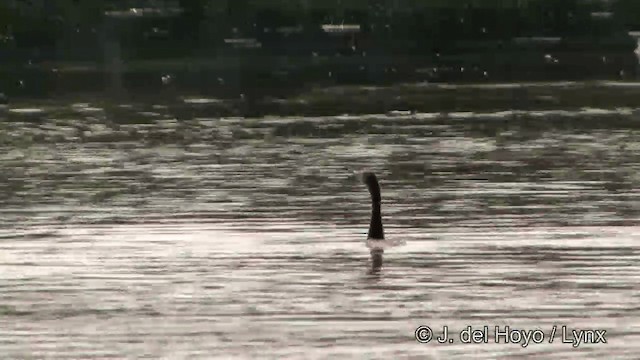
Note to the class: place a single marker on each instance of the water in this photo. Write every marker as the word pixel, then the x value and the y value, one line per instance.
pixel 126 233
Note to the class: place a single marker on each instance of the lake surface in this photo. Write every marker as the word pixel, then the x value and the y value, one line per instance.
pixel 141 230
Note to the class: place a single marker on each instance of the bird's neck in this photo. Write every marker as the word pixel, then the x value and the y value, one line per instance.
pixel 375 227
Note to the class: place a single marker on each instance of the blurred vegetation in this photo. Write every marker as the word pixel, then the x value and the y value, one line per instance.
pixel 72 29
pixel 59 44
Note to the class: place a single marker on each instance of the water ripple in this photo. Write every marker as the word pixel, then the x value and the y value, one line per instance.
pixel 137 230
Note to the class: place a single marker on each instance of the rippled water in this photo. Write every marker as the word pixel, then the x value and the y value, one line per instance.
pixel 154 231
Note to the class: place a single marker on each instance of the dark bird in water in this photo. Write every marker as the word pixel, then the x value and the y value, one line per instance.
pixel 376 231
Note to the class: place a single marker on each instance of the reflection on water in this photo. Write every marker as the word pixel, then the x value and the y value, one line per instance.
pixel 137 230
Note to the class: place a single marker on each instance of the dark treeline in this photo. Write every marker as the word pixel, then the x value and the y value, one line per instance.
pixel 237 46
pixel 70 29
